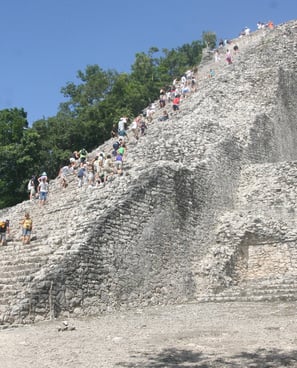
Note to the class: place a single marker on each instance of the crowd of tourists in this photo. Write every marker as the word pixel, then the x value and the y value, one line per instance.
pixel 227 44
pixel 95 171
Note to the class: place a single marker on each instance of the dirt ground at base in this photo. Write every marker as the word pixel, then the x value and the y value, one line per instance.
pixel 191 335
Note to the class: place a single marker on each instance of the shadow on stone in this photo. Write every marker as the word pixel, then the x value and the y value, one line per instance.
pixel 175 358
pixel 265 358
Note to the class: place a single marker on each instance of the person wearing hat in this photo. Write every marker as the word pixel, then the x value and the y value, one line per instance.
pixel 42 176
pixel 43 189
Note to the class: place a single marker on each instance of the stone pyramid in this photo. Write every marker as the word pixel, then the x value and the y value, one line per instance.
pixel 205 209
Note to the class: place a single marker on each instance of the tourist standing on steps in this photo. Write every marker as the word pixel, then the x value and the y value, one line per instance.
pixel 108 168
pixel 4 228
pixel 83 153
pixel 122 149
pixel 228 57
pixel 175 103
pixel 27 226
pixel 270 25
pixel 43 188
pixel 118 164
pixel 122 126
pixel 63 172
pixel 150 112
pixel 114 131
pixel 31 188
pixel 82 174
pixel 91 174
pixel 217 56
pixel 212 73
pixel 135 127
pixel 193 84
pixel 162 98
pixel 143 127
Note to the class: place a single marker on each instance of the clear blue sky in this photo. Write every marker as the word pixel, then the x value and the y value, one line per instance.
pixel 44 43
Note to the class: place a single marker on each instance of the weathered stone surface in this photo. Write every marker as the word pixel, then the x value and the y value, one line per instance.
pixel 205 209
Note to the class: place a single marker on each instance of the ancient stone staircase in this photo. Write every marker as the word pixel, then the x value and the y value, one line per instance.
pixel 200 194
pixel 17 270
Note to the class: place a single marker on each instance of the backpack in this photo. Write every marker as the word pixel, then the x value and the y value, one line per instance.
pixel 116 145
pixel 2 226
pixel 30 185
pixel 27 224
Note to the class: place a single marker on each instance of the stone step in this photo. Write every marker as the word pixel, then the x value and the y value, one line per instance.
pixel 15 259
pixel 260 292
pixel 12 289
pixel 250 298
pixel 21 260
pixel 14 274
pixel 286 290
pixel 36 245
pixel 6 299
pixel 14 279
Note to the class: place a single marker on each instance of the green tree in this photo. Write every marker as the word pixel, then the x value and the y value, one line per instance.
pixel 209 39
pixel 94 85
pixel 82 116
pixel 19 156
pixel 12 124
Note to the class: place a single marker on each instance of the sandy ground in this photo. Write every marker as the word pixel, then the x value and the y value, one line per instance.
pixel 192 335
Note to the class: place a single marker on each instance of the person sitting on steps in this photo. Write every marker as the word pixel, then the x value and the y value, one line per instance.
pixel 164 117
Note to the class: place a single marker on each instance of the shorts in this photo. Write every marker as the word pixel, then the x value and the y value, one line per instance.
pixel 107 170
pixel 118 164
pixel 42 196
pixel 122 133
pixel 91 176
pixel 26 232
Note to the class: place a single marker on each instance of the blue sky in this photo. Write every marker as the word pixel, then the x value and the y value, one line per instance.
pixel 45 43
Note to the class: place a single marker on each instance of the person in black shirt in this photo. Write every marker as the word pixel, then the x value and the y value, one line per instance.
pixel 4 229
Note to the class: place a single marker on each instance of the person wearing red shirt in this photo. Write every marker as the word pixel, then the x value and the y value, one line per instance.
pixel 175 103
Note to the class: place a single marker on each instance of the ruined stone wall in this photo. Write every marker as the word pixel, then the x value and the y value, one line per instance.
pixel 256 241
